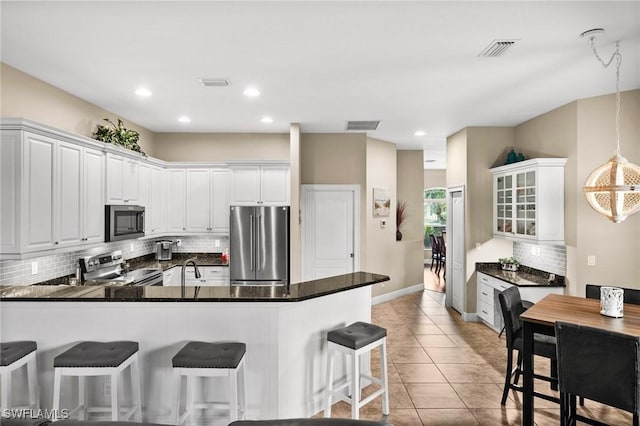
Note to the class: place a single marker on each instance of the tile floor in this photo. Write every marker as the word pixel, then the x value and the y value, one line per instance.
pixel 444 371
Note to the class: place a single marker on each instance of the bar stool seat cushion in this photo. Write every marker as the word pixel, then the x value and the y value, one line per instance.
pixel 96 354
pixel 357 335
pixel 210 355
pixel 10 352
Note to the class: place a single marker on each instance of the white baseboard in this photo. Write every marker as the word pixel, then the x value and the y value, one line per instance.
pixel 470 317
pixel 397 293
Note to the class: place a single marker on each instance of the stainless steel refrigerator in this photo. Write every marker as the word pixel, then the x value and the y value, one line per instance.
pixel 259 245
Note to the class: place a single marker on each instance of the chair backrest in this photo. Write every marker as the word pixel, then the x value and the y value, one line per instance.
pixel 631 295
pixel 599 365
pixel 434 244
pixel 442 247
pixel 511 308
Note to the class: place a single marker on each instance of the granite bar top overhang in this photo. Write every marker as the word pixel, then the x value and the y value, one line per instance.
pixel 525 277
pixel 234 293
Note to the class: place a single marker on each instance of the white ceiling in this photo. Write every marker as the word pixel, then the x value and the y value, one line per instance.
pixel 412 65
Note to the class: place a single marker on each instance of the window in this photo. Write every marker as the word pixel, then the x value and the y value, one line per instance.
pixel 435 213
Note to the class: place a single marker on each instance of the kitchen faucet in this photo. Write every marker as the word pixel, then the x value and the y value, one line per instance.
pixel 197 271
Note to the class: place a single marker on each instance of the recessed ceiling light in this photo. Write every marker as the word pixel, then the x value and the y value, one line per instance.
pixel 143 91
pixel 267 120
pixel 252 92
pixel 184 119
pixel 419 133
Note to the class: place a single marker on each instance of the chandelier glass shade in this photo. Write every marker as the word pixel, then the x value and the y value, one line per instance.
pixel 613 189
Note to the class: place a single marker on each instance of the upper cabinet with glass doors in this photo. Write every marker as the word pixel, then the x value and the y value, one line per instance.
pixel 528 200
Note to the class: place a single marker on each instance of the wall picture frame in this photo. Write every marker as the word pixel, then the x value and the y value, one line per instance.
pixel 381 202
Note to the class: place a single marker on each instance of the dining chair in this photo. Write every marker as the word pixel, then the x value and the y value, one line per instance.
pixel 442 258
pixel 511 306
pixel 631 295
pixel 435 252
pixel 615 379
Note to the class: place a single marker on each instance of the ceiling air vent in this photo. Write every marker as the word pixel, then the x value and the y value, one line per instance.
pixel 496 48
pixel 214 82
pixel 362 125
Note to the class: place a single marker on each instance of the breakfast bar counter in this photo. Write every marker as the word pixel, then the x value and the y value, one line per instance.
pixel 284 329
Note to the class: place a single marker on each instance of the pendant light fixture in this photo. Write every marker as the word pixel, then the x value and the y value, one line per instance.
pixel 613 189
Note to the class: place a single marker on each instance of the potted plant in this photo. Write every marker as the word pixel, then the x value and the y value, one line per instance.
pixel 509 263
pixel 401 216
pixel 117 134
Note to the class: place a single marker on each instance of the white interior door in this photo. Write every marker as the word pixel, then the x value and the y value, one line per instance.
pixel 329 230
pixel 455 250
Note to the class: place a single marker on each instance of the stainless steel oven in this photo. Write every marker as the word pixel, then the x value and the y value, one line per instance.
pixel 123 222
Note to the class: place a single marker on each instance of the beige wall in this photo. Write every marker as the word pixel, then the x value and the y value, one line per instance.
pixel 584 132
pixel 381 242
pixel 616 246
pixel 295 257
pixel 470 154
pixel 27 97
pixel 434 179
pixel 554 134
pixel 336 159
pixel 410 265
pixel 219 147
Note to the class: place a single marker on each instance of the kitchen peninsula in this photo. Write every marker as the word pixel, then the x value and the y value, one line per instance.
pixel 284 329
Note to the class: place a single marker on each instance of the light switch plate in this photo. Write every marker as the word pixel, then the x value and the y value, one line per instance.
pixel 216 243
pixel 591 260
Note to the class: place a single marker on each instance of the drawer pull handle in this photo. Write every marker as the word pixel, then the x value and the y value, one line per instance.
pixel 485 293
pixel 485 312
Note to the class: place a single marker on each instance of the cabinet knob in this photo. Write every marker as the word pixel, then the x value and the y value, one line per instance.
pixel 55 242
pixel 184 229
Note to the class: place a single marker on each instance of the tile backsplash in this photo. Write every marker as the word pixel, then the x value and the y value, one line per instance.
pixel 550 259
pixel 18 272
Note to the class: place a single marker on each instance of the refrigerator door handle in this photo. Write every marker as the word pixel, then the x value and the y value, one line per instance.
pixel 251 240
pixel 258 243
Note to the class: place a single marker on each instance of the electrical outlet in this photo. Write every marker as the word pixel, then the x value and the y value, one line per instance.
pixel 131 247
pixel 591 260
pixel 34 268
pixel 216 243
pixel 179 243
pixel 383 224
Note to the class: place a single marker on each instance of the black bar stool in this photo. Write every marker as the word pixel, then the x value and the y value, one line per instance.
pixel 99 359
pixel 15 355
pixel 355 340
pixel 202 359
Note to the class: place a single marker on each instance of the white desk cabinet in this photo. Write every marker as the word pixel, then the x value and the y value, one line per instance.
pixel 528 201
pixel 488 306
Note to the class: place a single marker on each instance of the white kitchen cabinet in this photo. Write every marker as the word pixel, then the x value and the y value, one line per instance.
pixel 52 193
pixel 176 221
pixel 157 212
pixel 528 201
pixel 144 193
pixel 39 192
pixel 209 276
pixel 93 196
pixel 488 306
pixel 260 184
pixel 220 200
pixel 122 179
pixel 198 200
pixel 68 195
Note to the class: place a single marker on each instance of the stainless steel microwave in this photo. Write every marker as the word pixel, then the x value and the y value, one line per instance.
pixel 123 222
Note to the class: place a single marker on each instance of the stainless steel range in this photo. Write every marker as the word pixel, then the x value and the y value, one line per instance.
pixel 108 267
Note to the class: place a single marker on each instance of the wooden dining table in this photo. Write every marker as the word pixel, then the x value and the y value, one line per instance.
pixel 541 318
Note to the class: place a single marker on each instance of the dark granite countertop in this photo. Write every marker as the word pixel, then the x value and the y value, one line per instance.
pixel 525 277
pixel 243 293
pixel 202 259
